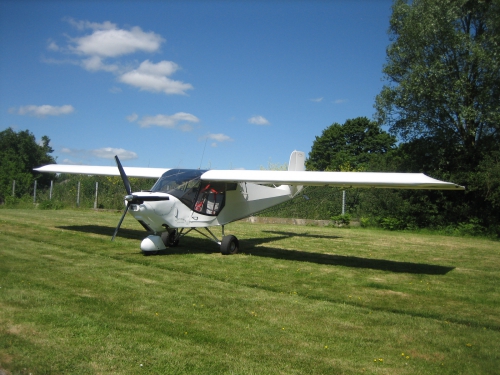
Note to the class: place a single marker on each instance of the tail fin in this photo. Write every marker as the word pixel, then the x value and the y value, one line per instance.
pixel 297 163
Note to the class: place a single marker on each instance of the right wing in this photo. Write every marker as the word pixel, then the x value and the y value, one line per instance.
pixel 100 170
pixel 339 179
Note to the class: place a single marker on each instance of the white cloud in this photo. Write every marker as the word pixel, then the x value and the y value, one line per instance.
pixel 340 101
pixel 185 127
pixel 132 118
pixel 109 41
pixel 166 121
pixel 109 153
pixel 101 153
pixel 43 110
pixel 81 25
pixel 101 48
pixel 258 120
pixel 95 63
pixel 154 77
pixel 317 100
pixel 219 137
pixel 52 46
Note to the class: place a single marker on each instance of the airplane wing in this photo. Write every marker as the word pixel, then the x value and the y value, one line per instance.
pixel 100 170
pixel 339 179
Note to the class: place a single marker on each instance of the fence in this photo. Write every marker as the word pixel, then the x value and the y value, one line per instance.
pixel 78 191
pixel 108 192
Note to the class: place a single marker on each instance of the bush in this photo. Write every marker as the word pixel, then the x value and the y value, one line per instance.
pixel 392 223
pixel 50 205
pixel 341 220
pixel 15 202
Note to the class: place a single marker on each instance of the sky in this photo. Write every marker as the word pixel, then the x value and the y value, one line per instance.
pixel 188 84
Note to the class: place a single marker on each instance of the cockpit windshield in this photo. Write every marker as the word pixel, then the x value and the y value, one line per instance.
pixel 183 184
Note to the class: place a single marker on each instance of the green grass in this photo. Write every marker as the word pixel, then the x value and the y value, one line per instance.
pixel 297 300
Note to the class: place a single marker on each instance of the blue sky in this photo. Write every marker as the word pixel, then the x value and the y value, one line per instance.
pixel 216 84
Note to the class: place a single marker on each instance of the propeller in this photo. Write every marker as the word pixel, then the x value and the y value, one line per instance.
pixel 128 188
pixel 131 198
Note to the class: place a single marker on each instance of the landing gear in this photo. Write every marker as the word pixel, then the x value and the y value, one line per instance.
pixel 229 245
pixel 170 239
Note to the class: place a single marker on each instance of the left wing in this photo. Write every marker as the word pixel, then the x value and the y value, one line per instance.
pixel 340 179
pixel 100 170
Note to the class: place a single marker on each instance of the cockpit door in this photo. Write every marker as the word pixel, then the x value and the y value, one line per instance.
pixel 211 199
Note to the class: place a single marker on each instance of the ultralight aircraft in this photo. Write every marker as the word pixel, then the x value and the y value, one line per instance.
pixel 185 200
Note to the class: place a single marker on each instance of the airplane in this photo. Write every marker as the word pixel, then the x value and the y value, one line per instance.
pixel 185 200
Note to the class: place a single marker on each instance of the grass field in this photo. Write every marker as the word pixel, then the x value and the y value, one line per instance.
pixel 297 300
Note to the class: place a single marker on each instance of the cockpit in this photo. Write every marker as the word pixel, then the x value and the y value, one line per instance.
pixel 207 198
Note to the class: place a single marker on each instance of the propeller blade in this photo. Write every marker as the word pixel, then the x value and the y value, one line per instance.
pixel 120 222
pixel 125 180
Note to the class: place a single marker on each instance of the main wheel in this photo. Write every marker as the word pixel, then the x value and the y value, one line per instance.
pixel 229 245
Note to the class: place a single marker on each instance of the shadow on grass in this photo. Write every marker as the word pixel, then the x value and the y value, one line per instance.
pixel 257 247
pixel 131 234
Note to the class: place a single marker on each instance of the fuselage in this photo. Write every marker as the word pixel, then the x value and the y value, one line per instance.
pixel 194 203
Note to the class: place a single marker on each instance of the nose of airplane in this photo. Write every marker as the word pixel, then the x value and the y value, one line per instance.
pixel 136 198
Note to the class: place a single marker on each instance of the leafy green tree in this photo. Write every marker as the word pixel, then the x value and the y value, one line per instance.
pixel 351 146
pixel 443 100
pixel 443 68
pixel 19 154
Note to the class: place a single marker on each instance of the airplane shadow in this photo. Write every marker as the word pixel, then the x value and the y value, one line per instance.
pixel 254 246
pixel 132 234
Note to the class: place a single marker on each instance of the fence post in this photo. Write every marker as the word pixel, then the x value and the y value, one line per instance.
pixel 34 193
pixel 14 188
pixel 343 202
pixel 96 190
pixel 78 195
pixel 50 192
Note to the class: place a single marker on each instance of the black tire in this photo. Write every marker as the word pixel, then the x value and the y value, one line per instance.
pixel 229 245
pixel 165 238
pixel 169 239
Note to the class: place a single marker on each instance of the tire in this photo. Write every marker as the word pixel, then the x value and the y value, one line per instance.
pixel 168 238
pixel 229 245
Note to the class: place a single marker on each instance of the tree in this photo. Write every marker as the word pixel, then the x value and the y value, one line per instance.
pixel 19 154
pixel 443 68
pixel 351 146
pixel 443 100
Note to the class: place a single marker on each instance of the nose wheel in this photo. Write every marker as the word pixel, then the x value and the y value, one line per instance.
pixel 170 239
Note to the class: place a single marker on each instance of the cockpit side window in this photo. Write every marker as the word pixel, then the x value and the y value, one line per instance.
pixel 211 198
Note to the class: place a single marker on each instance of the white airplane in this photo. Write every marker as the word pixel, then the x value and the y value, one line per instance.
pixel 185 200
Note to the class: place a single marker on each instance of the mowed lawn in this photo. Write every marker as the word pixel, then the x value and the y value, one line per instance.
pixel 296 300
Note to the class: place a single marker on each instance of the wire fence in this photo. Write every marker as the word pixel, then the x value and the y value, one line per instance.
pixel 79 192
